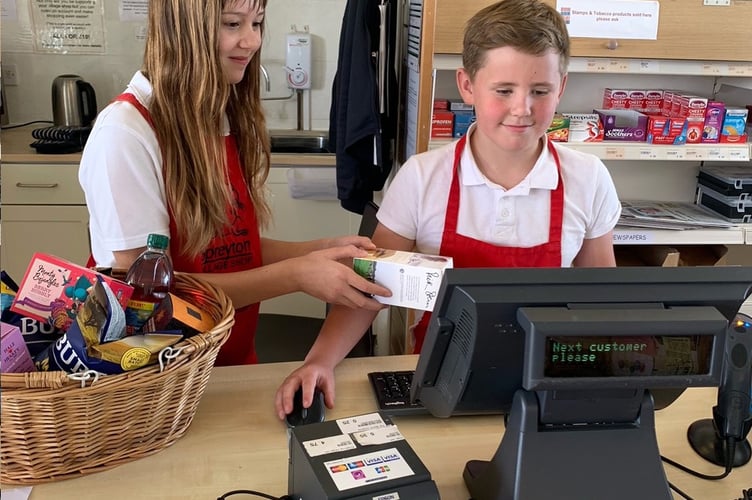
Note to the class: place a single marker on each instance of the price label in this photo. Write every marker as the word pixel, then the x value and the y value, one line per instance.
pixel 648 154
pixel 737 155
pixel 618 66
pixel 675 154
pixel 596 66
pixel 714 153
pixel 614 153
pixel 712 69
pixel 691 154
pixel 649 66
pixel 740 70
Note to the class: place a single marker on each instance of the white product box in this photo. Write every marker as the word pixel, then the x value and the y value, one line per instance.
pixel 413 278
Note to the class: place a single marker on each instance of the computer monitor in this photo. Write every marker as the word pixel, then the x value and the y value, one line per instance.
pixel 599 342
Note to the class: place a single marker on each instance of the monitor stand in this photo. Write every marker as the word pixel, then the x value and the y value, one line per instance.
pixel 619 462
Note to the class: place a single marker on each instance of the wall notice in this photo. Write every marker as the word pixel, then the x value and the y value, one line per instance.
pixel 628 19
pixel 134 10
pixel 68 26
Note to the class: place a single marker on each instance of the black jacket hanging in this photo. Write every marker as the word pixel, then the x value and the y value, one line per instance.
pixel 359 133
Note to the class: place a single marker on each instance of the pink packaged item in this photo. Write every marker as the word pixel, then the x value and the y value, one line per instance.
pixel 53 289
pixel 15 356
pixel 623 124
pixel 711 131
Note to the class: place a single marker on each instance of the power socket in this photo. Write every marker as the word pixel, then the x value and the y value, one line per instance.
pixel 10 74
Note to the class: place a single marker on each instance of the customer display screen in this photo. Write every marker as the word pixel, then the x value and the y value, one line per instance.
pixel 627 356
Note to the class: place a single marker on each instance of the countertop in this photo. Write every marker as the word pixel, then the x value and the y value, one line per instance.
pixel 14 148
pixel 236 441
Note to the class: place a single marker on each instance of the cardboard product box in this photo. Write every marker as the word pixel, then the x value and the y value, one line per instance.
pixel 442 124
pixel 714 114
pixel 665 130
pixel 623 124
pixel 462 121
pixel 53 289
pixel 459 105
pixel 615 98
pixel 441 104
pixel 670 256
pixel 653 101
pixel 558 131
pixel 176 315
pixel 413 278
pixel 14 355
pixel 584 127
pixel 734 126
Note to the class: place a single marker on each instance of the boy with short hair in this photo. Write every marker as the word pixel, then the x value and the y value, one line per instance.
pixel 500 196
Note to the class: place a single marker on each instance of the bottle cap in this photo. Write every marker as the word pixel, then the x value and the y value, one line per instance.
pixel 158 241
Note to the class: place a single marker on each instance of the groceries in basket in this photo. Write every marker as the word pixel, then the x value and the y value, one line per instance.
pixel 53 289
pixel 96 339
pixel 15 355
pixel 151 277
pixel 36 334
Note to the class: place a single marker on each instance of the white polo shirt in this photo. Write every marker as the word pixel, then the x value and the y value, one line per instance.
pixel 121 175
pixel 414 204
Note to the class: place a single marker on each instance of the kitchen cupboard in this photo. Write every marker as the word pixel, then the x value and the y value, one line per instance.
pixel 682 57
pixel 314 213
pixel 43 211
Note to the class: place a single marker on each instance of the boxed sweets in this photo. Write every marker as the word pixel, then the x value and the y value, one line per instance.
pixel 622 124
pixel 413 278
pixel 37 334
pixel 53 289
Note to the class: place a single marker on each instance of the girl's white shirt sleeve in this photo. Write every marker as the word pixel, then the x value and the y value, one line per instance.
pixel 121 175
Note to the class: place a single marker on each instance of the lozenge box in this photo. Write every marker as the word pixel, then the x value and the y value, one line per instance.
pixel 413 278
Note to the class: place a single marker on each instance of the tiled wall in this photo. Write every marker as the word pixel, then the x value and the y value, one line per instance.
pixel 30 99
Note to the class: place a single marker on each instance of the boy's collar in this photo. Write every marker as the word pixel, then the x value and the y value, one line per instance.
pixel 542 176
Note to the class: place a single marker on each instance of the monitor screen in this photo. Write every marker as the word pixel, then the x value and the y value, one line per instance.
pixel 657 328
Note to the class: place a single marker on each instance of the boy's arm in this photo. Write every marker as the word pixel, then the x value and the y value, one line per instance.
pixel 341 330
pixel 596 252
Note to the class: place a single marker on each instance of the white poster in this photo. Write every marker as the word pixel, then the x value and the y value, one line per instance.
pixel 623 19
pixel 68 26
pixel 134 10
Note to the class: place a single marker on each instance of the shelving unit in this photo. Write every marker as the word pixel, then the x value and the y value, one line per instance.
pixel 672 55
pixel 615 150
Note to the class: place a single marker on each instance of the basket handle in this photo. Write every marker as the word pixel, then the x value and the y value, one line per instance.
pixel 170 356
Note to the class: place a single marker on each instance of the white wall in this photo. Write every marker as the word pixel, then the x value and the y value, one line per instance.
pixel 109 73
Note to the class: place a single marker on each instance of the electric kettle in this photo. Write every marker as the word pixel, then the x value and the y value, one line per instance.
pixel 74 103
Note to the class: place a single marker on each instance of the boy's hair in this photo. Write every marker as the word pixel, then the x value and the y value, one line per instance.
pixel 529 26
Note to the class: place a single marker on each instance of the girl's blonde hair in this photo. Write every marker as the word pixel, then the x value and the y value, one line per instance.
pixel 190 97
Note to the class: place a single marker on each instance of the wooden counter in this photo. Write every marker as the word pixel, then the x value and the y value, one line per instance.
pixel 14 148
pixel 236 442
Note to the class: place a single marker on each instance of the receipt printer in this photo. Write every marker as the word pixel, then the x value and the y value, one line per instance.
pixel 356 458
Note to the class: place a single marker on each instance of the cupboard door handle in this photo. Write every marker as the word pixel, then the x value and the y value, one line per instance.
pixel 28 185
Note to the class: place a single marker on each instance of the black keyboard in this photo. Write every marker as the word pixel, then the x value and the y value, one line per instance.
pixel 392 391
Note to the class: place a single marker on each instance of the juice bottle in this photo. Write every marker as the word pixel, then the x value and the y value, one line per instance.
pixel 151 277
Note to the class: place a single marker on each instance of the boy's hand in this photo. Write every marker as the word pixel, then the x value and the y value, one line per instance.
pixel 309 376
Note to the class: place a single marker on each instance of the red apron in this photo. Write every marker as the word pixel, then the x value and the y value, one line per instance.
pixel 469 252
pixel 238 249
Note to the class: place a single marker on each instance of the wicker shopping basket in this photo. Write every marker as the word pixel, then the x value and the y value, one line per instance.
pixel 53 427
